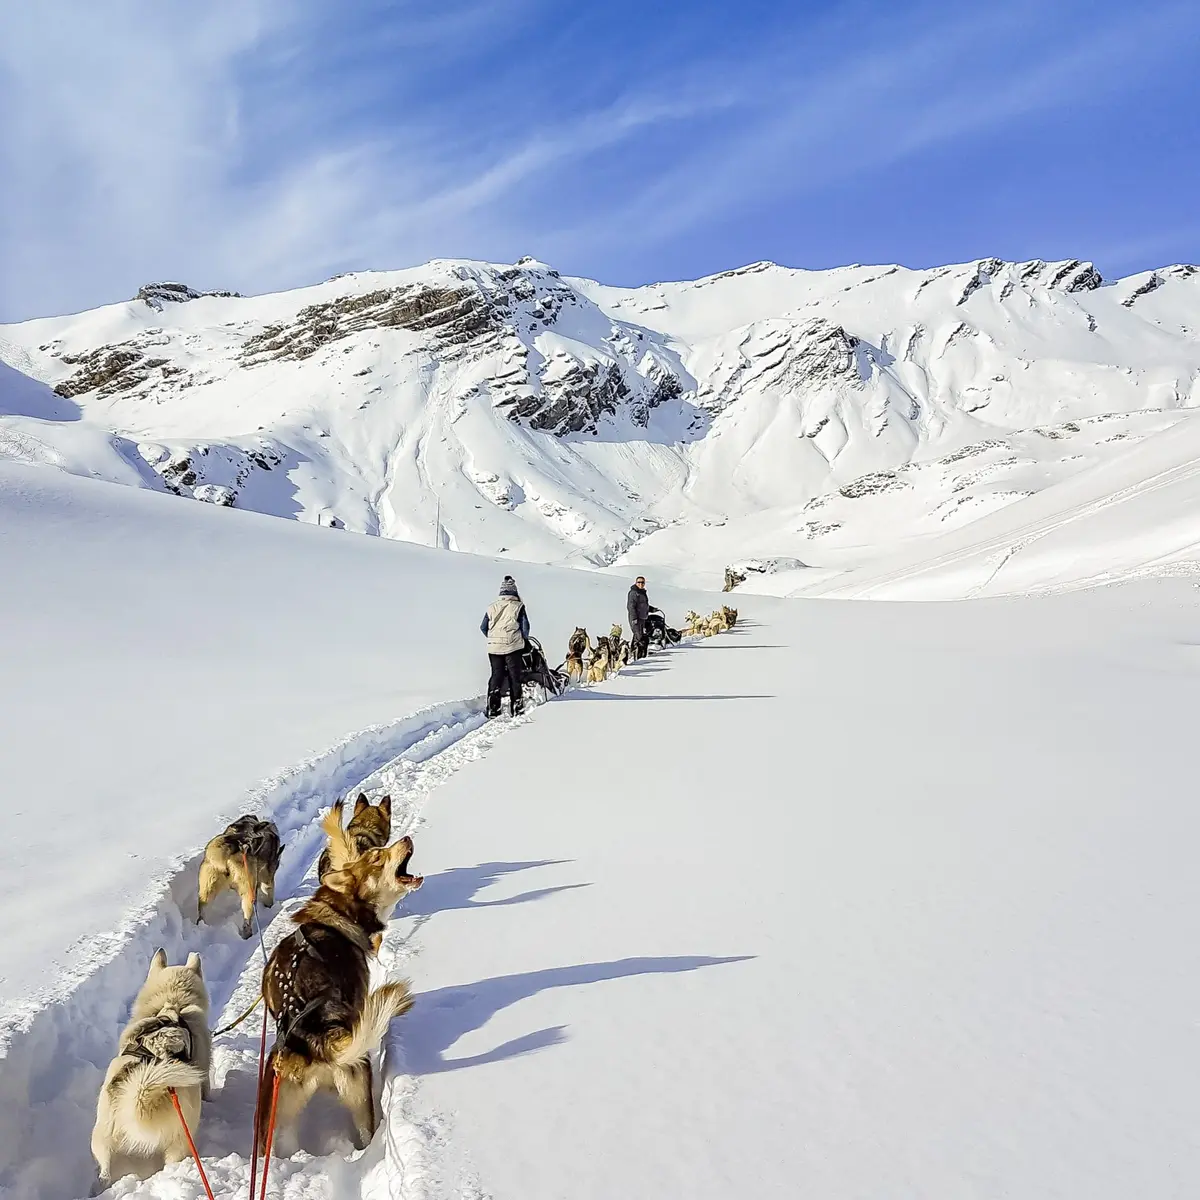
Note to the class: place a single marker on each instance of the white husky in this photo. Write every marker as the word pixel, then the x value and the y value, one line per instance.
pixel 165 1045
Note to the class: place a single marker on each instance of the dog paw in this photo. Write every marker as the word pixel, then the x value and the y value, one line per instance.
pixel 246 930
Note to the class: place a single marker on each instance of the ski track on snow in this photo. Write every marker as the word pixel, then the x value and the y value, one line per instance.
pixel 55 1047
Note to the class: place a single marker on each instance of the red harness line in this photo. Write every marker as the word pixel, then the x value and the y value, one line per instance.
pixel 192 1145
pixel 270 1139
pixel 262 1054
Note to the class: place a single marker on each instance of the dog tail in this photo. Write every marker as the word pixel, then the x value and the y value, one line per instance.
pixel 384 1003
pixel 141 1100
pixel 339 849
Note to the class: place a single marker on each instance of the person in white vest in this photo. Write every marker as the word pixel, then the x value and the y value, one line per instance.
pixel 506 627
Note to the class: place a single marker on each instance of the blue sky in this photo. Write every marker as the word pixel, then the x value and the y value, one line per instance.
pixel 256 144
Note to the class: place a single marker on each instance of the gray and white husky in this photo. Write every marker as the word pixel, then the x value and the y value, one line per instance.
pixel 166 1045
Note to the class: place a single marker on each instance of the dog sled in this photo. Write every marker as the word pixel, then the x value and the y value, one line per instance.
pixel 658 632
pixel 537 671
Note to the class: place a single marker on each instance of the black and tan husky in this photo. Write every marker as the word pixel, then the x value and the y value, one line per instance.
pixel 316 984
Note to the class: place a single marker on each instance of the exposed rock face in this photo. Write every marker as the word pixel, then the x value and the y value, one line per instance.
pixel 212 474
pixel 454 315
pixel 111 369
pixel 156 294
pixel 1071 276
pixel 787 356
pixel 872 484
pixel 576 400
pixel 1151 285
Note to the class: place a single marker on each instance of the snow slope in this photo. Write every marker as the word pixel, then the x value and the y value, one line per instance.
pixel 882 900
pixel 161 659
pixel 168 666
pixel 853 900
pixel 834 417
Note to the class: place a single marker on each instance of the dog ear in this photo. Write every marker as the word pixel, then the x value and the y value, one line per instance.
pixel 360 806
pixel 339 881
pixel 193 964
pixel 385 806
pixel 159 961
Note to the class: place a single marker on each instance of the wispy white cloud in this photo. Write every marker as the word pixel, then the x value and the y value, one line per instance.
pixel 905 89
pixel 265 143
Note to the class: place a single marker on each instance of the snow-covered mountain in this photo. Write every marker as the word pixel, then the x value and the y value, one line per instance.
pixel 825 417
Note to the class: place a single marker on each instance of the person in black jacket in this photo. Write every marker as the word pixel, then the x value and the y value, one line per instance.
pixel 637 606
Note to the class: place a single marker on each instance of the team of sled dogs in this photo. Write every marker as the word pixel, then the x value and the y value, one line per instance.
pixel 315 982
pixel 590 663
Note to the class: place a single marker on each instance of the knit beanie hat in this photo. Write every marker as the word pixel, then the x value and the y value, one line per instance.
pixel 509 586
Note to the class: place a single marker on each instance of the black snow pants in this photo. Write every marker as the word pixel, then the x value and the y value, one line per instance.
pixel 506 668
pixel 639 645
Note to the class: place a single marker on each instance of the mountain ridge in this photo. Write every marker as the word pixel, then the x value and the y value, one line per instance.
pixel 767 411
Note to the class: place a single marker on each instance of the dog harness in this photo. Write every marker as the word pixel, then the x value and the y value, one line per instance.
pixel 163 1038
pixel 291 1011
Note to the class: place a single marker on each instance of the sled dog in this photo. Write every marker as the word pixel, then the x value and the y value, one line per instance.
pixel 370 827
pixel 574 666
pixel 316 984
pixel 245 858
pixel 165 1045
pixel 622 659
pixel 579 643
pixel 598 668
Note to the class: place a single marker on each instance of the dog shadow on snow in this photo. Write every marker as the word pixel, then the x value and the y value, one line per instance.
pixel 457 888
pixel 440 1018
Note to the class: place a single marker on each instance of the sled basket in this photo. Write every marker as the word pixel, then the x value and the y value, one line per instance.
pixel 536 670
pixel 658 632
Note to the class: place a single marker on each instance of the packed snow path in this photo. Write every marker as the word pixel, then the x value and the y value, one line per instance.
pixel 53 1065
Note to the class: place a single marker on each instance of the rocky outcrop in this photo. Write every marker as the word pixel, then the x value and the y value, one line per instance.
pixel 453 315
pixel 738 572
pixel 574 401
pixel 157 294
pixel 1151 285
pixel 212 474
pixel 1072 275
pixel 108 370
pixel 786 356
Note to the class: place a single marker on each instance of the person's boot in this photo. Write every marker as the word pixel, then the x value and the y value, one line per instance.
pixel 493 706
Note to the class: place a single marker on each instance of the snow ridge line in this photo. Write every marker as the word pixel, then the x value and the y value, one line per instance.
pixel 55 1046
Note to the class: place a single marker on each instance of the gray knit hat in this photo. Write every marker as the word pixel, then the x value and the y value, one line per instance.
pixel 509 587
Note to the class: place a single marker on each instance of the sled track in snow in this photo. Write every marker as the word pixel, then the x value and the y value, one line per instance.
pixel 55 1048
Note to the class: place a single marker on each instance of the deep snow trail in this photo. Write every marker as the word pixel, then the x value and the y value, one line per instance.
pixel 878 900
pixel 55 1060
